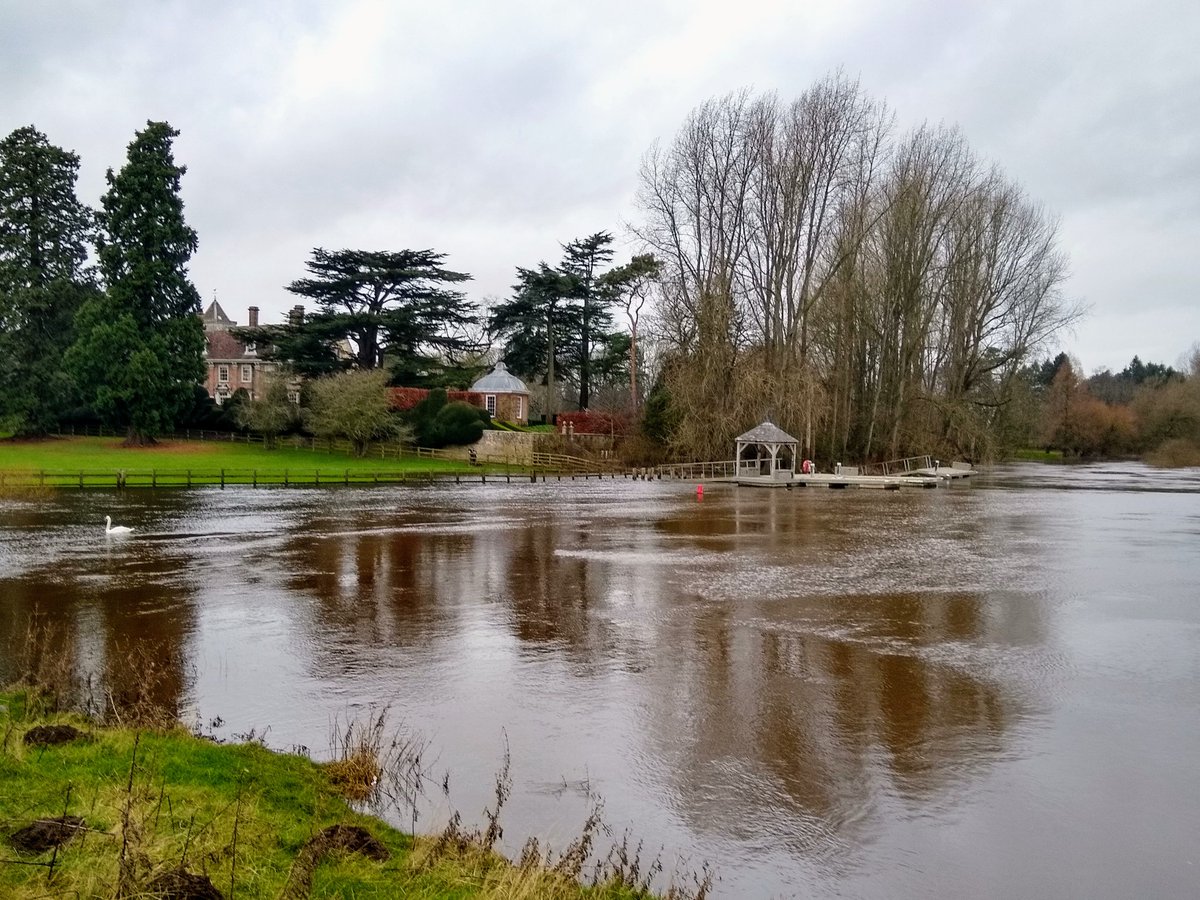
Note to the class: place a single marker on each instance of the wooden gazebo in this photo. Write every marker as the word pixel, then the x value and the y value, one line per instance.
pixel 765 450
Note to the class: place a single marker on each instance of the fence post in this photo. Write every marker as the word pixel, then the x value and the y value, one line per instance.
pixel 316 476
pixel 254 476
pixel 222 477
pixel 189 482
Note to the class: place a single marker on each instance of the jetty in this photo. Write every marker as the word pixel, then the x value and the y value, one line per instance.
pixel 766 457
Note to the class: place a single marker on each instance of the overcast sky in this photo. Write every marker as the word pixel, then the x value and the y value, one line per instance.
pixel 494 131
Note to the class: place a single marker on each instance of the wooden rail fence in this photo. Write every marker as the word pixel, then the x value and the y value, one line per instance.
pixel 286 478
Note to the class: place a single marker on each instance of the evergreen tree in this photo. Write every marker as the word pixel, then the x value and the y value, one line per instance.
pixel 44 231
pixel 582 261
pixel 540 338
pixel 140 346
pixel 392 307
pixel 577 298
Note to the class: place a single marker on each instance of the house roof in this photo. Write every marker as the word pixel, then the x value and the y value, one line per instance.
pixel 766 433
pixel 214 315
pixel 223 345
pixel 500 381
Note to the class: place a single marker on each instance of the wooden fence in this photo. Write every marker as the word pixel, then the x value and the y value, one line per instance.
pixel 10 481
pixel 555 462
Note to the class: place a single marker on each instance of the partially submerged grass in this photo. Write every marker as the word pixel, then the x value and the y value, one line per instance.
pixel 1036 455
pixel 1176 453
pixel 152 809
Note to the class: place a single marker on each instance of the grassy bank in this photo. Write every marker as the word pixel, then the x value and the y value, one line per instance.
pixel 142 812
pixel 96 461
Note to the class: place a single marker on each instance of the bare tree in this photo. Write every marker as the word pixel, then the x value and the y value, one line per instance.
pixel 877 297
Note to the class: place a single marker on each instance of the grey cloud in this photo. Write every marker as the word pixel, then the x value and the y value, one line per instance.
pixel 495 131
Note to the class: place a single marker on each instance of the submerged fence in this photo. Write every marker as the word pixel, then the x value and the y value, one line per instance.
pixel 383 450
pixel 464 467
pixel 18 481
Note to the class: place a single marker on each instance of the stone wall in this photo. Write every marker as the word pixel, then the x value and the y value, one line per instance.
pixel 515 446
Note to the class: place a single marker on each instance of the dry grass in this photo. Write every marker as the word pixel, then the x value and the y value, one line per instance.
pixel 29 493
pixel 133 688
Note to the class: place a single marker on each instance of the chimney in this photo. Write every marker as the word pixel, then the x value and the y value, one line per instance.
pixel 296 316
pixel 253 316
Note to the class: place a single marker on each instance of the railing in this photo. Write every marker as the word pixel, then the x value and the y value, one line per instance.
pixel 726 468
pixel 906 465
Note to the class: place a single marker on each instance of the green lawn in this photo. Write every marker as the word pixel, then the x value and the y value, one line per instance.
pixel 98 460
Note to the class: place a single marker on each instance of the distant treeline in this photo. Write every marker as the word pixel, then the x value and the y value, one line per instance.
pixel 875 294
pixel 1146 409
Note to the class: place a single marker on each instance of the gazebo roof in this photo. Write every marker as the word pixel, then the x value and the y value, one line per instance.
pixel 500 381
pixel 766 433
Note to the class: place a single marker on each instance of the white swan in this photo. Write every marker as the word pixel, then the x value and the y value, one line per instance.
pixel 119 529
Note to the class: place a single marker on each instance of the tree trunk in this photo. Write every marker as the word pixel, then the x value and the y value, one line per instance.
pixel 551 394
pixel 633 394
pixel 135 438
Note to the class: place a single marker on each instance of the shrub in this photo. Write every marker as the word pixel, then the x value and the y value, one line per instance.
pixel 456 424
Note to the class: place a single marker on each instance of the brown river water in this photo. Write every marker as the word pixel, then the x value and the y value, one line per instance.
pixel 987 690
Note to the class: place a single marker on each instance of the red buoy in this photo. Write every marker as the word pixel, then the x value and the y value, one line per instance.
pixel 699 492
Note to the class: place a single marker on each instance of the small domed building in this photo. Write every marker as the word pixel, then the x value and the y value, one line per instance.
pixel 505 396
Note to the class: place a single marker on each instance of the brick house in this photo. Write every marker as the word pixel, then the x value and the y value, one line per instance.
pixel 232 365
pixel 505 396
pixel 501 393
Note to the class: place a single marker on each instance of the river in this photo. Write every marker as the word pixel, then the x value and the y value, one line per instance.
pixel 986 690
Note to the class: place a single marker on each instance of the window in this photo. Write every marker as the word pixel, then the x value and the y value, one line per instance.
pixel 489 403
pixel 251 349
pixel 223 374
pixel 247 374
pixel 520 408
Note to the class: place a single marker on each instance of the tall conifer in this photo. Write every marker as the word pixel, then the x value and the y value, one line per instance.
pixel 44 232
pixel 140 350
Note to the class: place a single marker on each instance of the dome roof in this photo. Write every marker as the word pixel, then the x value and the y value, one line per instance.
pixel 500 381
